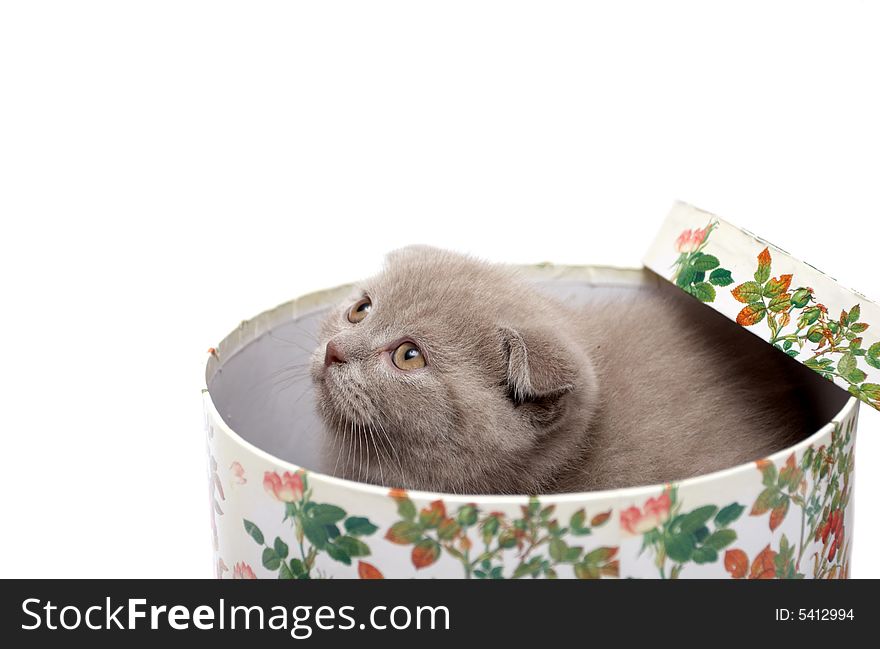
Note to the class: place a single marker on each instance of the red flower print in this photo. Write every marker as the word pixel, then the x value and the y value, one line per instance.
pixel 243 571
pixel 637 521
pixel 831 532
pixel 237 473
pixel 287 488
pixel 689 240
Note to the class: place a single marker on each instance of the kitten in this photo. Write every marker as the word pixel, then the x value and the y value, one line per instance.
pixel 445 373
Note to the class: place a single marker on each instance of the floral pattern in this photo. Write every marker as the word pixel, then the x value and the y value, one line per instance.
pixel 693 264
pixel 315 525
pixel 803 497
pixel 655 512
pixel 787 516
pixel 288 488
pixel 811 490
pixel 215 497
pixel 797 322
pixel 676 538
pixel 243 571
pixel 826 330
pixel 237 471
pixel 534 542
pixel 817 489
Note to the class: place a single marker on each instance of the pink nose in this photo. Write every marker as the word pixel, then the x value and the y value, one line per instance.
pixel 333 354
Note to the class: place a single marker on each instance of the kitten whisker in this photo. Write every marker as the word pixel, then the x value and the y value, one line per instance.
pixel 337 435
pixel 293 367
pixel 256 392
pixel 351 454
pixel 378 458
pixel 292 343
pixel 368 472
pixel 360 453
pixel 381 447
pixel 308 390
pixel 303 330
pixel 293 371
pixel 283 385
pixel 339 448
pixel 393 449
pixel 357 456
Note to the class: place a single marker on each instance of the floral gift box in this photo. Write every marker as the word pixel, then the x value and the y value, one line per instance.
pixel 786 516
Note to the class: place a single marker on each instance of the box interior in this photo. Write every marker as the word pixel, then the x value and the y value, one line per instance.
pixel 263 390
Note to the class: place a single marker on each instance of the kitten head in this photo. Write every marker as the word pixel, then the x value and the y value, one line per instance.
pixel 448 374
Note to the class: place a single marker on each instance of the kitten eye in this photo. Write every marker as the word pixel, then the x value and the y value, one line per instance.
pixel 408 357
pixel 359 310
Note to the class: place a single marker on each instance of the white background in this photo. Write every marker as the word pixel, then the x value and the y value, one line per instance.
pixel 170 168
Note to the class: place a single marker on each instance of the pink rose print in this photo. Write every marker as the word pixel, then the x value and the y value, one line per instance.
pixel 287 488
pixel 683 243
pixel 697 272
pixel 689 240
pixel 243 571
pixel 637 521
pixel 237 473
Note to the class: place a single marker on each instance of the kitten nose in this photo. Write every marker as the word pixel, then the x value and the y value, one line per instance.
pixel 333 354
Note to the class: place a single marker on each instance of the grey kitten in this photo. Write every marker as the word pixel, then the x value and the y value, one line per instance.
pixel 445 373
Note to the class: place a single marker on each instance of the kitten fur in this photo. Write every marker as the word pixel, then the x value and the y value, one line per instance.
pixel 523 394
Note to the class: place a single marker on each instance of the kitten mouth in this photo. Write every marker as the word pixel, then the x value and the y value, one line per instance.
pixel 320 373
pixel 364 448
pixel 340 407
pixel 350 415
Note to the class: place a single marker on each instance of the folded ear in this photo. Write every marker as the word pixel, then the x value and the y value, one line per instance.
pixel 539 364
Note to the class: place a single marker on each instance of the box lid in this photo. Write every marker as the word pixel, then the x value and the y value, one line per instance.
pixel 790 304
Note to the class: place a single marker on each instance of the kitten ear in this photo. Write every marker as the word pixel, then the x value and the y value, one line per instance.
pixel 538 364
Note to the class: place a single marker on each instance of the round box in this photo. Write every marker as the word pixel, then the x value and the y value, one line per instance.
pixel 786 516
